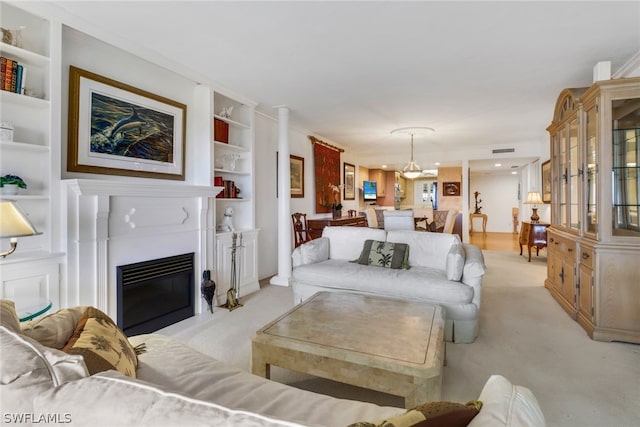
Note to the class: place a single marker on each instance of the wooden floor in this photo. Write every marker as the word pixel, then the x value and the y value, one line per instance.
pixel 495 241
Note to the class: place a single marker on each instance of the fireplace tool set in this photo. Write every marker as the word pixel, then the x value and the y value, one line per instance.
pixel 233 292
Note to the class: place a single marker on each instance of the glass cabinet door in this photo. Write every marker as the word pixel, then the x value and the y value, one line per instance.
pixel 563 173
pixel 626 162
pixel 574 168
pixel 591 170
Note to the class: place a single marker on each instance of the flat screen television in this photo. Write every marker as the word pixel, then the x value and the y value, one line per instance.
pixel 369 190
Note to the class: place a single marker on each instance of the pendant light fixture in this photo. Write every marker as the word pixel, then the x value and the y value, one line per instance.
pixel 412 170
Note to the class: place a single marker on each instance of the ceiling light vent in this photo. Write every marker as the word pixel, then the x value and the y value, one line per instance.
pixel 503 150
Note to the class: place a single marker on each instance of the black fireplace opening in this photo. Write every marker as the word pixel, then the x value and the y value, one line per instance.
pixel 154 294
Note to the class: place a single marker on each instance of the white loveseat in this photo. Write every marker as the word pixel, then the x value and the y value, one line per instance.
pixel 176 385
pixel 442 271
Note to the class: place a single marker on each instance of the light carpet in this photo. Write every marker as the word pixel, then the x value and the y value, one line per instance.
pixel 524 335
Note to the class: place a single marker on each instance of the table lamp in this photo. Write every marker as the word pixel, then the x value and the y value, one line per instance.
pixel 14 223
pixel 533 198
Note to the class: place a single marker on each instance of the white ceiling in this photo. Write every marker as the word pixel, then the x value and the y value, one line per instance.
pixel 484 75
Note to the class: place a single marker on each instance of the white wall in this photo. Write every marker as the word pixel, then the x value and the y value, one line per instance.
pixel 266 186
pixel 91 54
pixel 499 194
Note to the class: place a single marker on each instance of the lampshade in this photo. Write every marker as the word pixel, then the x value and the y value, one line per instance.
pixel 533 198
pixel 14 223
pixel 412 170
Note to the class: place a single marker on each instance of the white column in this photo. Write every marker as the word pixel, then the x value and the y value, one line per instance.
pixel 284 201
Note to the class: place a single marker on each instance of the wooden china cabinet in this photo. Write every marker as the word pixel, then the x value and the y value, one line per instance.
pixel 593 267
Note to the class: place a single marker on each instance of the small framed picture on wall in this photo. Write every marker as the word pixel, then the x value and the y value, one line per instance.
pixel 451 188
pixel 349 181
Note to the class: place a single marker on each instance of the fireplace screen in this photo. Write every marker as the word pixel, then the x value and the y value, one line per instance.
pixel 154 294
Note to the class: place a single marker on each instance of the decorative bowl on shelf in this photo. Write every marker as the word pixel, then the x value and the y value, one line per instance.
pixel 9 190
pixel 9 184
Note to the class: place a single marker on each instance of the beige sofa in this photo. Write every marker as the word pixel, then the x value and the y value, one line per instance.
pixel 442 271
pixel 178 386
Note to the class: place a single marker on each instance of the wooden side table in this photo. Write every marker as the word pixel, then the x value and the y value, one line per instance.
pixel 316 225
pixel 533 235
pixel 484 222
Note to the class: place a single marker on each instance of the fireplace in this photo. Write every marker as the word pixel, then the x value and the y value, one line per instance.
pixel 154 294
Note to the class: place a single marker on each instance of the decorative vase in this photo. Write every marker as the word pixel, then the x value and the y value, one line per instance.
pixel 9 190
pixel 208 289
pixel 230 161
pixel 337 213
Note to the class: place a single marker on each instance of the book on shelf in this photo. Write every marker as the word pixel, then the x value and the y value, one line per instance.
pixel 230 191
pixel 12 75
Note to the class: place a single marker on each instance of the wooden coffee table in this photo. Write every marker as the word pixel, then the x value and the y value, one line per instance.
pixel 390 345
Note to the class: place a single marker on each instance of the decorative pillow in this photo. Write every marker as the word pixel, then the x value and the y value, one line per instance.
pixel 432 414
pixel 316 250
pixel 455 262
pixel 55 329
pixel 102 344
pixel 8 317
pixel 384 254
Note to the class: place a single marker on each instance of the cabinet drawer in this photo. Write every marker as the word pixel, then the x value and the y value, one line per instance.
pixel 562 246
pixel 586 256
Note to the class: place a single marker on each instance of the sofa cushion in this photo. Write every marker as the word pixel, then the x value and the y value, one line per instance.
pixel 214 381
pixel 27 368
pixel 455 262
pixel 112 399
pixel 315 250
pixel 346 242
pixel 55 329
pixel 505 404
pixel 427 249
pixel 8 317
pixel 385 254
pixel 102 344
pixel 420 283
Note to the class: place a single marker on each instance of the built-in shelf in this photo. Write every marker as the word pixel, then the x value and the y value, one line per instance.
pixel 24 100
pixel 24 55
pixel 231 147
pixel 232 122
pixel 23 197
pixel 20 256
pixel 23 146
pixel 231 172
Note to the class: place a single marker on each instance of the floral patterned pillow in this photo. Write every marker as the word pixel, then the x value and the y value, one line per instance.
pixel 102 344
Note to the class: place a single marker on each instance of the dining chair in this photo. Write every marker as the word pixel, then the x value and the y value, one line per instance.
pixel 300 229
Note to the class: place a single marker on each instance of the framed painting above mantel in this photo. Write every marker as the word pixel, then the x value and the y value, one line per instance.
pixel 117 129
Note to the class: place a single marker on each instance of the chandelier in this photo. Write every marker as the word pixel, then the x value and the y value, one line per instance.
pixel 412 169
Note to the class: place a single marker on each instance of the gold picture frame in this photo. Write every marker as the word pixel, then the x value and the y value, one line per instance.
pixel 546 181
pixel 296 171
pixel 349 171
pixel 117 129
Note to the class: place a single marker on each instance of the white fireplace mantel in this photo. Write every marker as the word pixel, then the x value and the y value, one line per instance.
pixel 111 223
pixel 94 187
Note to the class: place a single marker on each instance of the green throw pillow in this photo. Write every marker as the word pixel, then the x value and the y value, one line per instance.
pixel 384 254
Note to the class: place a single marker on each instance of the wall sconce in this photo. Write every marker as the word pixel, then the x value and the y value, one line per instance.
pixel 14 223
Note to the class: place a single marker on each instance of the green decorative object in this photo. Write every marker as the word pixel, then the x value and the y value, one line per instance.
pixel 12 180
